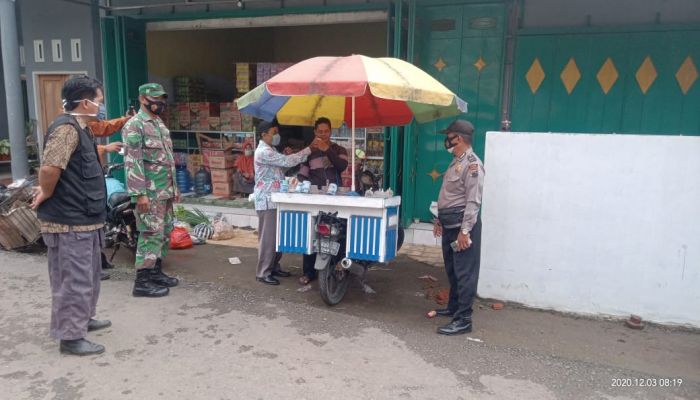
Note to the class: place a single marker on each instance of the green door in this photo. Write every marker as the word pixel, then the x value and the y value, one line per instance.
pixel 462 47
pixel 125 65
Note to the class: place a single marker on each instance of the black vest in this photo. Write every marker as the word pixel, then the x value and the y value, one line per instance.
pixel 80 197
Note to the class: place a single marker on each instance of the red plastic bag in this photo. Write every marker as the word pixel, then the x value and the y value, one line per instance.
pixel 180 239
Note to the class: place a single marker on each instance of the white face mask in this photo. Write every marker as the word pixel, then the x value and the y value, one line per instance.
pixel 86 115
pixel 451 150
pixel 248 153
pixel 276 139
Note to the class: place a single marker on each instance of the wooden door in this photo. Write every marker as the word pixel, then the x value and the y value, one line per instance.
pixel 49 101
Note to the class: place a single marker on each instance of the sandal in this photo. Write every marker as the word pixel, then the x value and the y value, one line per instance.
pixel 304 280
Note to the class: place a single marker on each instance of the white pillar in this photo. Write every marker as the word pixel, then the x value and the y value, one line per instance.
pixel 13 89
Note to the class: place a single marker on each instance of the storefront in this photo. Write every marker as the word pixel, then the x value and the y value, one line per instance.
pixel 206 63
pixel 535 64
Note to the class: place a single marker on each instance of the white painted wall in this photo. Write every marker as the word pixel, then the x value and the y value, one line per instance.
pixel 594 224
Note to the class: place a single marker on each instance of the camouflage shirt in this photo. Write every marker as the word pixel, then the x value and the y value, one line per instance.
pixel 148 159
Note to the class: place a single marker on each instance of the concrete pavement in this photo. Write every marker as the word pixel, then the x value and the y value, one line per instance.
pixel 221 335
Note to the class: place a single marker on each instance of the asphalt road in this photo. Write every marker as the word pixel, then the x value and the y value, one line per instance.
pixel 221 335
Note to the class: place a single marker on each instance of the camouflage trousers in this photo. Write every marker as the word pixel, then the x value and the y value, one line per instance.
pixel 154 232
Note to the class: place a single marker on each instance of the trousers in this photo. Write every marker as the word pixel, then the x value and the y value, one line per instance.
pixel 268 257
pixel 74 273
pixel 462 270
pixel 154 229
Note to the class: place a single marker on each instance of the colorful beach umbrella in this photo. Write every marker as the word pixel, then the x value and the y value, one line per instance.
pixel 387 92
pixel 358 90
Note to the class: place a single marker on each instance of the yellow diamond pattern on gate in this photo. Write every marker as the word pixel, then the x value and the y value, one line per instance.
pixel 535 75
pixel 479 64
pixel 607 75
pixel 646 74
pixel 686 75
pixel 570 75
pixel 440 64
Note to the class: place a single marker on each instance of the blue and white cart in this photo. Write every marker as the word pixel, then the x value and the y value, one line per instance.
pixel 372 231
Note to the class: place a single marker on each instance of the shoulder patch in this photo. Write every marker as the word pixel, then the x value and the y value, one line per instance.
pixel 474 169
pixel 471 158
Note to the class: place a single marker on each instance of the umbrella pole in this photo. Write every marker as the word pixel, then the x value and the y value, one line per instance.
pixel 353 144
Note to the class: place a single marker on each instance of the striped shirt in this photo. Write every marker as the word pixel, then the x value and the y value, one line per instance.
pixel 323 168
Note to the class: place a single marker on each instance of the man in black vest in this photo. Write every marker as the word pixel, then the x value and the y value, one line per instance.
pixel 70 203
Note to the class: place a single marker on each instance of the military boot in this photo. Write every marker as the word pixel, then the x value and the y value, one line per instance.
pixel 159 278
pixel 144 287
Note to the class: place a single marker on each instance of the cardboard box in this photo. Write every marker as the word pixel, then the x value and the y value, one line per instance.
pixel 222 189
pixel 218 159
pixel 203 110
pixel 227 161
pixel 183 115
pixel 222 175
pixel 214 123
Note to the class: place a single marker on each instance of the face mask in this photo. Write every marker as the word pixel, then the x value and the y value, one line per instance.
pixel 102 112
pixel 87 115
pixel 451 150
pixel 449 145
pixel 155 106
pixel 248 153
pixel 276 139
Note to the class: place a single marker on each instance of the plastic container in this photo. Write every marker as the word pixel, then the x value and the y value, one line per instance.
pixel 183 178
pixel 202 182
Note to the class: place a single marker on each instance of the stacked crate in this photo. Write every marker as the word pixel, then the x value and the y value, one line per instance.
pixel 221 165
pixel 230 117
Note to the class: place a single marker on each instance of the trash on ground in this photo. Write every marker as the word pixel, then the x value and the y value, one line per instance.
pixel 431 314
pixel 367 289
pixel 305 288
pixel 635 322
pixel 428 277
pixel 234 260
pixel 222 229
pixel 471 339
pixel 497 306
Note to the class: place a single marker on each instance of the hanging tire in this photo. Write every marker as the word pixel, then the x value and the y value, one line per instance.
pixel 333 283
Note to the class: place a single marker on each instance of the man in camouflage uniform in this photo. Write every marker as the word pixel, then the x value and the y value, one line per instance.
pixel 150 177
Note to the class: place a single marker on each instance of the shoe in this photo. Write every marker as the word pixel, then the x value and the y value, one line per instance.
pixel 96 325
pixel 81 347
pixel 159 278
pixel 105 263
pixel 444 312
pixel 268 280
pixel 104 276
pixel 281 274
pixel 144 287
pixel 456 327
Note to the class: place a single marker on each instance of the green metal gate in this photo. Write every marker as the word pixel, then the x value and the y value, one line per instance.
pixel 462 47
pixel 622 82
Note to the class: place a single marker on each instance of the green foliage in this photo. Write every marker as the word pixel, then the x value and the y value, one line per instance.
pixel 193 218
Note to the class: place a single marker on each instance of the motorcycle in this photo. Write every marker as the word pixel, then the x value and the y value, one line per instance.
pixel 334 268
pixel 120 226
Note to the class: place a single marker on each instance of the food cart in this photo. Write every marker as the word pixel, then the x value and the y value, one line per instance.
pixel 362 92
pixel 372 223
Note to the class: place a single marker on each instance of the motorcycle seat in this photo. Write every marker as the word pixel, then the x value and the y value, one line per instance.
pixel 118 198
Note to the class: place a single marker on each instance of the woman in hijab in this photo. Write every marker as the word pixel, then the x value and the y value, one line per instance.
pixel 244 179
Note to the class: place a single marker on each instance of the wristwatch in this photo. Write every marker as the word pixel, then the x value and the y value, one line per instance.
pixel 465 232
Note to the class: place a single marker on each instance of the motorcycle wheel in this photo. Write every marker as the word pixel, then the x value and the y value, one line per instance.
pixel 333 283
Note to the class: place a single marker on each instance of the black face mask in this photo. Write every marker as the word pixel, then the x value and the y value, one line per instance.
pixel 156 106
pixel 449 144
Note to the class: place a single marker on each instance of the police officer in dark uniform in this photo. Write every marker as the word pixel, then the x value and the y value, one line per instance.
pixel 460 226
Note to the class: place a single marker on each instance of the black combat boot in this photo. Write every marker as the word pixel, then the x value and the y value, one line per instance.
pixel 144 287
pixel 159 278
